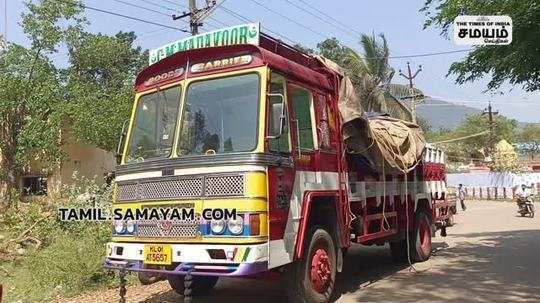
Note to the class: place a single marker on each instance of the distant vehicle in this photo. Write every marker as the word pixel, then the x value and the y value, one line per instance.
pixel 525 202
pixel 256 128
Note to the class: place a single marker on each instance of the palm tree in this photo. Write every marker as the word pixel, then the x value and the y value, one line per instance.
pixel 370 70
pixel 371 74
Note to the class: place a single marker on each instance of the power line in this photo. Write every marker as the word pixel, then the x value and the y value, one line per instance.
pixel 330 17
pixel 462 138
pixel 159 5
pixel 245 19
pixel 426 54
pixel 289 19
pixel 323 20
pixel 122 15
pixel 141 7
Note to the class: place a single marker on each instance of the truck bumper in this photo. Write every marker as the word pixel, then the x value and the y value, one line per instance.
pixel 198 259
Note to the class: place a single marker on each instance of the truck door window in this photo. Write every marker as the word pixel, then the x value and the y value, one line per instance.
pixel 303 113
pixel 277 86
pixel 153 130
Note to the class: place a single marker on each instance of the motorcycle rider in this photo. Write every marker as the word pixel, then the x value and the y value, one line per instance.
pixel 523 196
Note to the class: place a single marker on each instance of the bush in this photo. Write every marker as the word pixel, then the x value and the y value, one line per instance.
pixel 43 257
pixel 71 264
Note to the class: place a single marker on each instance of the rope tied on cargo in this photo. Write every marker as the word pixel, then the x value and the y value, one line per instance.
pixel 385 225
pixel 412 268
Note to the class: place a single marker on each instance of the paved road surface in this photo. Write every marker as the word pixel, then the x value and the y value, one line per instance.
pixel 490 255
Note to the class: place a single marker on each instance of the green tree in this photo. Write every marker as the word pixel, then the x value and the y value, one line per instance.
pixel 529 140
pixel 518 63
pixel 303 49
pixel 335 51
pixel 530 134
pixel 100 86
pixel 370 72
pixel 39 102
pixel 30 92
pixel 478 146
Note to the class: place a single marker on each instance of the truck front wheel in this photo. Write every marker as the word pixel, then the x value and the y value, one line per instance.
pixel 200 285
pixel 311 280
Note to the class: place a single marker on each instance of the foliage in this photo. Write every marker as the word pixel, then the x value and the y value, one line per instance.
pixel 303 49
pixel 30 91
pixel 530 133
pixel 38 102
pixel 30 97
pixel 528 140
pixel 71 264
pixel 518 63
pixel 474 147
pixel 425 126
pixel 370 72
pixel 505 158
pixel 100 85
pixel 69 256
pixel 335 51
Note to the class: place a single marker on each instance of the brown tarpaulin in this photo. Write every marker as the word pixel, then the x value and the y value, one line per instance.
pixel 396 143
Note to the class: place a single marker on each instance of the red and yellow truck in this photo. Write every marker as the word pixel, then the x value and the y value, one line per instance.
pixel 234 121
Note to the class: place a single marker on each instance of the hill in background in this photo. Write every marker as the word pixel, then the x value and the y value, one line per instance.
pixel 442 114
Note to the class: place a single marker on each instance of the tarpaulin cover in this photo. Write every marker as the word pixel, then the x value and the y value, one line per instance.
pixel 396 143
pixel 385 143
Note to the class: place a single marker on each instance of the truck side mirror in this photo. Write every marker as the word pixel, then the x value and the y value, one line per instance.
pixel 120 146
pixel 277 117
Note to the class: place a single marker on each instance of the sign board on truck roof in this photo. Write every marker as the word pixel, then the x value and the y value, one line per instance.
pixel 238 34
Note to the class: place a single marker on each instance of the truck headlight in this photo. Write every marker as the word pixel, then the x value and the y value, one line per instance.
pixel 119 226
pixel 130 226
pixel 217 226
pixel 236 226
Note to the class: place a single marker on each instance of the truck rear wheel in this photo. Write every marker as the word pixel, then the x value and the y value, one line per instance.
pixel 399 251
pixel 421 238
pixel 312 279
pixel 201 284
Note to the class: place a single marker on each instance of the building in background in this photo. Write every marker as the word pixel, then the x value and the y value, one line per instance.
pixel 83 160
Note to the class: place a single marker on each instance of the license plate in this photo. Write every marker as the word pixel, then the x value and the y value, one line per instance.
pixel 159 254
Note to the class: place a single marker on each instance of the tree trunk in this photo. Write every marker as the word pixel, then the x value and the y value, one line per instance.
pixel 8 179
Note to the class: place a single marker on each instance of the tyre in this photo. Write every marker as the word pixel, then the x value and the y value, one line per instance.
pixel 421 238
pixel 200 285
pixel 311 279
pixel 450 221
pixel 399 251
pixel 147 279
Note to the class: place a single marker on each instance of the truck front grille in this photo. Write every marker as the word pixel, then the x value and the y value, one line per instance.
pixel 168 229
pixel 181 187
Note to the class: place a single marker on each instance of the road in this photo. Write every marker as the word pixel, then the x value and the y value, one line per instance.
pixel 490 255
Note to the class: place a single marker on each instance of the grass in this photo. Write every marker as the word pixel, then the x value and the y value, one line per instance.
pixel 69 265
pixel 67 257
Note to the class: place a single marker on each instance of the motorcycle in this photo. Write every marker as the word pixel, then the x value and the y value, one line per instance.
pixel 526 206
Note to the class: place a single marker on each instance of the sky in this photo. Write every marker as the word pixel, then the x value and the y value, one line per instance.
pixel 400 21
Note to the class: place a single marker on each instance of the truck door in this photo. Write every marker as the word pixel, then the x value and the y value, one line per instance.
pixel 281 174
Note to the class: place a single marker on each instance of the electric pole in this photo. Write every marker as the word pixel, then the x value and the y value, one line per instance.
pixel 5 23
pixel 196 15
pixel 491 124
pixel 410 77
pixel 193 12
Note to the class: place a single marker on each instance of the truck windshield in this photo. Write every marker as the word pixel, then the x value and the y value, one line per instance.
pixel 220 116
pixel 153 131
